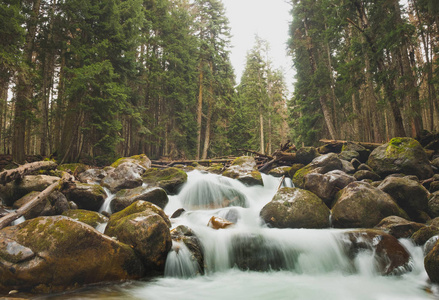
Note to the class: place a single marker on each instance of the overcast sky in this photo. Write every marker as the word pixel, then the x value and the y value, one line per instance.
pixel 269 20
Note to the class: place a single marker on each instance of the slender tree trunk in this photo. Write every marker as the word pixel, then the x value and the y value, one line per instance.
pixel 199 111
pixel 207 129
pixel 4 85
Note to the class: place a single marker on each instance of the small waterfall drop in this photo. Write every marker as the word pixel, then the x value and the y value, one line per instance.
pixel 180 263
pixel 106 206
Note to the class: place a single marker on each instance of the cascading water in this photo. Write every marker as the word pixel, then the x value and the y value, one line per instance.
pixel 250 261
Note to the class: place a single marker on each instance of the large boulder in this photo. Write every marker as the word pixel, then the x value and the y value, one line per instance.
pixel 86 196
pixel 49 254
pixel 169 179
pixel 186 235
pixel 431 263
pixel 14 190
pixel 92 218
pixel 305 155
pixel 55 204
pixel 127 175
pixel 391 258
pixel 409 194
pixel 145 227
pixel 421 236
pixel 92 176
pixel 125 198
pixel 279 171
pixel 321 164
pixel 401 155
pixel 433 205
pixel 295 208
pixel 244 169
pixel 361 150
pixel 360 205
pixel 399 227
pixel 327 185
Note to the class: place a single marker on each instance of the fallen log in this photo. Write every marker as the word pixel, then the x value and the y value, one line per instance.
pixel 13 174
pixel 340 143
pixel 256 153
pixel 12 216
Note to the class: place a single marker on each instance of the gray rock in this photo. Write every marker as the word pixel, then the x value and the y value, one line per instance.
pixel 127 175
pixel 244 169
pixel 125 198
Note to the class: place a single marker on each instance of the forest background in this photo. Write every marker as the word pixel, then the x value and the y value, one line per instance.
pixel 93 80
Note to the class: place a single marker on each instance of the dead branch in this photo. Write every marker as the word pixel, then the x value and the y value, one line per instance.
pixel 11 175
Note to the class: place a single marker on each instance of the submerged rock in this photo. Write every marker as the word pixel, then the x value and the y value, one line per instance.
pixel 295 208
pixel 188 237
pixel 360 205
pixel 391 258
pixel 49 254
pixel 125 198
pixel 145 227
pixel 244 169
pixel 401 155
pixel 170 179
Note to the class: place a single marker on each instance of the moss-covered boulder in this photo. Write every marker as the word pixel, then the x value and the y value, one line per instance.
pixel 325 186
pixel 433 205
pixel 169 179
pixel 183 234
pixel 141 160
pixel 244 169
pixel 86 196
pixel 390 257
pixel 399 227
pixel 305 155
pixel 431 263
pixel 125 198
pixel 401 155
pixel 74 168
pixel 294 168
pixel 92 218
pixel 215 169
pixel 279 171
pixel 14 190
pixel 92 176
pixel 49 254
pixel 322 164
pixel 145 227
pixel 361 150
pixel 409 194
pixel 360 205
pixel 295 208
pixel 421 236
pixel 55 204
pixel 366 175
pixel 127 175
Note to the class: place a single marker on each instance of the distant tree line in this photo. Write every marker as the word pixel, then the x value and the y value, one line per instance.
pixel 93 80
pixel 367 70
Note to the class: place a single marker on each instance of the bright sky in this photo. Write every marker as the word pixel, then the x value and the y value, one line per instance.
pixel 269 19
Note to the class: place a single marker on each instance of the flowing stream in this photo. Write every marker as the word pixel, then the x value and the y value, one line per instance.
pixel 250 261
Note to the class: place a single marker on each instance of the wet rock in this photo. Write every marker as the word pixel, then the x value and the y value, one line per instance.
pixel 127 175
pixel 295 208
pixel 49 254
pixel 429 244
pixel 349 155
pixel 327 185
pixel 362 151
pixel 169 179
pixel 218 223
pixel 145 227
pixel 360 205
pixel 244 169
pixel 188 237
pixel 401 155
pixel 92 176
pixel 125 198
pixel 399 227
pixel 431 263
pixel 294 168
pixel 410 195
pixel 253 252
pixel 391 258
pixel 13 191
pixel 86 196
pixel 433 205
pixel 424 234
pixel 321 165
pixel 178 213
pixel 366 174
pixel 92 218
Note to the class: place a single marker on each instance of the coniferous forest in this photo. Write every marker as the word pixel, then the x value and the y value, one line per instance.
pixel 93 80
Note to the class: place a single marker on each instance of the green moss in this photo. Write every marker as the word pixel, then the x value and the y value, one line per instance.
pixel 74 168
pixel 299 176
pixel 141 158
pixel 86 216
pixel 240 160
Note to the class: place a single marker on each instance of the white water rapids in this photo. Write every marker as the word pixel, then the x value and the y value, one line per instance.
pixel 291 264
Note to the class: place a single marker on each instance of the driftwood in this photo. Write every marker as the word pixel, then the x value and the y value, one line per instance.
pixel 340 143
pixel 280 183
pixel 11 175
pixel 12 216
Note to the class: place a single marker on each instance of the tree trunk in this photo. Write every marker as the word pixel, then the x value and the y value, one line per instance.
pixel 199 111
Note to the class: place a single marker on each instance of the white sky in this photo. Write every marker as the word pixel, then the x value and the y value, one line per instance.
pixel 269 19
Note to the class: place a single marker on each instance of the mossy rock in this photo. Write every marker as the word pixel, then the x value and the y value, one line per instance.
pixel 53 254
pixel 401 155
pixel 75 168
pixel 215 169
pixel 86 196
pixel 305 155
pixel 145 227
pixel 421 236
pixel 88 217
pixel 244 169
pixel 279 171
pixel 127 175
pixel 141 160
pixel 186 235
pixel 125 198
pixel 295 208
pixel 294 168
pixel 170 179
pixel 399 227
